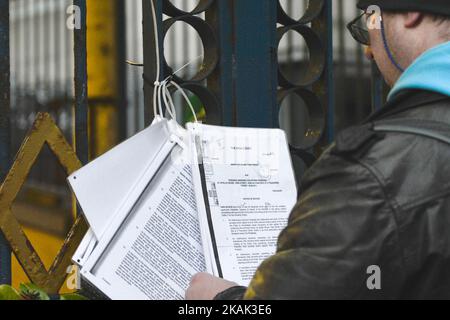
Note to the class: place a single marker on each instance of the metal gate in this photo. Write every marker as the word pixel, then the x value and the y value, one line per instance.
pixel 250 74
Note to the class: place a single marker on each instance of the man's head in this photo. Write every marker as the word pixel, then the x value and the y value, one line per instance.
pixel 405 32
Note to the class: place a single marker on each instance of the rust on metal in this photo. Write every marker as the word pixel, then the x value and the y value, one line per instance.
pixel 44 131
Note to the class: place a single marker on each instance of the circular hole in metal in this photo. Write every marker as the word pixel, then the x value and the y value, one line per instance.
pixel 292 12
pixel 183 45
pixel 301 56
pixel 180 34
pixel 295 9
pixel 301 116
pixel 203 101
pixel 178 8
pixel 293 57
pixel 185 5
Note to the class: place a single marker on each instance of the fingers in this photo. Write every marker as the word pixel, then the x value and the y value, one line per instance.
pixel 204 286
pixel 197 286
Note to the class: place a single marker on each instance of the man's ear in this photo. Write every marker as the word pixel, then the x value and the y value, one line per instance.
pixel 412 19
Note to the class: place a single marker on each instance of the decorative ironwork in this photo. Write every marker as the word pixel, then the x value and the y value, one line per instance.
pixel 313 86
pixel 44 131
pixel 244 82
pixel 210 57
pixel 209 42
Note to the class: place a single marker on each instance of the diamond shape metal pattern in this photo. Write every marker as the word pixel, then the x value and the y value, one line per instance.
pixel 44 130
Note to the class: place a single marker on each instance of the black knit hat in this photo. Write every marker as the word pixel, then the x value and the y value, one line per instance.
pixel 440 7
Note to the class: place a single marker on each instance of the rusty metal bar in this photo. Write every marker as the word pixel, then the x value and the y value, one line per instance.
pixel 329 74
pixel 81 88
pixel 5 130
pixel 150 54
pixel 324 88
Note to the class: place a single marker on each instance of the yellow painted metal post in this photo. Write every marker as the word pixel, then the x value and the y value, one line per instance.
pixel 103 79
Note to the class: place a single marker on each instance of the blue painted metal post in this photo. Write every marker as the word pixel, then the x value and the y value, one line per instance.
pixel 5 130
pixel 81 88
pixel 255 80
pixel 220 17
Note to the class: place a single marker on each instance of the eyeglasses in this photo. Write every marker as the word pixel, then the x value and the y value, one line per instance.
pixel 358 29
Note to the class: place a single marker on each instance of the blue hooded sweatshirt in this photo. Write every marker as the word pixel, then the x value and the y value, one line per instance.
pixel 430 72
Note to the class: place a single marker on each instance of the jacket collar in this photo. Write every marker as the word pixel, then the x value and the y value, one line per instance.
pixel 429 72
pixel 405 100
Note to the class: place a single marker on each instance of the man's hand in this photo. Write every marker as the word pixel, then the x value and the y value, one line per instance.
pixel 205 287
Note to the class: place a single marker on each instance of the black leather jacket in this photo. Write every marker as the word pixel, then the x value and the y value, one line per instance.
pixel 372 199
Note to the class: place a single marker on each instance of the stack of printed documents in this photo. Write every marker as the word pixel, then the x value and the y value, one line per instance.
pixel 171 202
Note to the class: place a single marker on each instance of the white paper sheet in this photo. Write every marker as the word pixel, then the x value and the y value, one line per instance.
pixel 103 185
pixel 158 248
pixel 250 191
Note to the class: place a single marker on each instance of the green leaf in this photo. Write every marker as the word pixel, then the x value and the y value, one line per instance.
pixel 32 292
pixel 8 293
pixel 73 296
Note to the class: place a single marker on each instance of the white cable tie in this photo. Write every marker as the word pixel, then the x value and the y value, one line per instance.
pixel 187 65
pixel 183 93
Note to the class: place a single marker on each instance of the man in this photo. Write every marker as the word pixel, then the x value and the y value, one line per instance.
pixel 373 220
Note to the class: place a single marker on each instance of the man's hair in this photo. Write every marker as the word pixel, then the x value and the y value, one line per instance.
pixel 443 23
pixel 439 18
